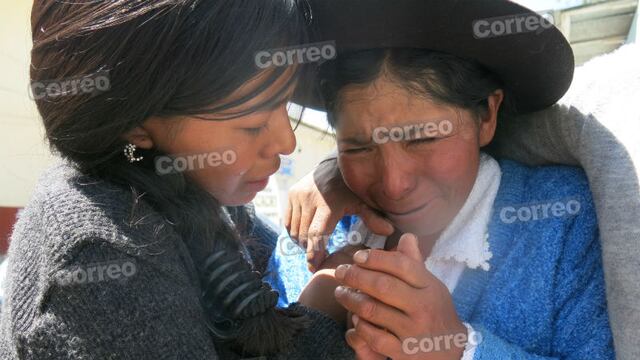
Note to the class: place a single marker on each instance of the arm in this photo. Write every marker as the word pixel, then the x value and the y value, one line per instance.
pixel 145 312
pixel 323 338
pixel 596 126
pixel 319 292
pixel 581 329
pixel 129 310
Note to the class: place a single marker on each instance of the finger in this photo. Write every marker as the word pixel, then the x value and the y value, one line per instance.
pixel 408 245
pixel 324 221
pixel 287 216
pixel 322 226
pixel 374 221
pixel 362 349
pixel 316 251
pixel 395 263
pixel 382 286
pixel 372 310
pixel 295 225
pixel 306 215
pixel 378 340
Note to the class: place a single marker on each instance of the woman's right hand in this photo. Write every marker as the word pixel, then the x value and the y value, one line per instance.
pixel 316 204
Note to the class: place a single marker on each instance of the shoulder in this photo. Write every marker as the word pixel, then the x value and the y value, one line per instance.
pixel 79 249
pixel 540 179
pixel 544 193
pixel 544 210
pixel 70 213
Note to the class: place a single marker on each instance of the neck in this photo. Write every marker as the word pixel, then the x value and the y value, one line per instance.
pixel 426 243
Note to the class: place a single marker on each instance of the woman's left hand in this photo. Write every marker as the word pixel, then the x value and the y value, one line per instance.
pixel 401 310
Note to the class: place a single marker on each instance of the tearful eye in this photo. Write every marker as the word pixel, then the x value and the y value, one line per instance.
pixel 255 131
pixel 423 141
pixel 355 150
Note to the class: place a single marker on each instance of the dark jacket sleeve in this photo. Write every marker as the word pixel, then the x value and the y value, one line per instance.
pixel 106 304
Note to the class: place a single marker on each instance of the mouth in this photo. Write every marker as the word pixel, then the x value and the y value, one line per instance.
pixel 261 182
pixel 258 185
pixel 409 212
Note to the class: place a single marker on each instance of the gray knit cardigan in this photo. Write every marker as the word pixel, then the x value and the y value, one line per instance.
pixel 86 282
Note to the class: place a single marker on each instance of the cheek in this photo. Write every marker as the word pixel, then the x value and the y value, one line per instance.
pixel 222 182
pixel 357 176
pixel 455 164
pixel 226 180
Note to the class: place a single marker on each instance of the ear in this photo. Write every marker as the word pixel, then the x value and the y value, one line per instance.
pixel 489 121
pixel 139 137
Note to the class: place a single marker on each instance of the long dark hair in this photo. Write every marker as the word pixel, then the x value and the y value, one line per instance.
pixel 166 58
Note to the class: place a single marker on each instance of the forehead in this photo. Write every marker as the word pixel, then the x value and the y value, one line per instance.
pixel 383 102
pixel 255 88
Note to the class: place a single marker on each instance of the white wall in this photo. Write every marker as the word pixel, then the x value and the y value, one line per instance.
pixel 23 152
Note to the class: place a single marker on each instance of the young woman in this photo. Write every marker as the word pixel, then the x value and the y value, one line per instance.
pixel 136 245
pixel 503 257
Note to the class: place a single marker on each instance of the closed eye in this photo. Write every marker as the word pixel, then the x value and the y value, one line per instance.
pixel 422 141
pixel 355 150
pixel 255 131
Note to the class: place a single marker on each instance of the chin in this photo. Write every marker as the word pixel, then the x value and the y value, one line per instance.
pixel 238 200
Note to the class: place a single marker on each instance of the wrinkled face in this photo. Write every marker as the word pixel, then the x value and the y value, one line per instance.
pixel 407 156
pixel 231 159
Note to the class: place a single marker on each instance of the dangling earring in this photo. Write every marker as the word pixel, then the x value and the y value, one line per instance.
pixel 129 153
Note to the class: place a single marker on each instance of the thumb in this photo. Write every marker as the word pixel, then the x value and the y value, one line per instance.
pixel 408 245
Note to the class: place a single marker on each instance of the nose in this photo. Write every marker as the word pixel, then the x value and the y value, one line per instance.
pixel 282 140
pixel 397 175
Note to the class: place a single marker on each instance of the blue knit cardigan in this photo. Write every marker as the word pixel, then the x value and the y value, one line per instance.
pixel 544 295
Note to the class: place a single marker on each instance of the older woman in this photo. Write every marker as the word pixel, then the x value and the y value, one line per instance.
pixel 498 251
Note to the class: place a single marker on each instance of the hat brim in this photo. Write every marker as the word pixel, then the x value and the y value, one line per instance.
pixel 536 67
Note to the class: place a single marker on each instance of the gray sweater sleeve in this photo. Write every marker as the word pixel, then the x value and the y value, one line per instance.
pixel 597 126
pixel 109 305
pixel 106 304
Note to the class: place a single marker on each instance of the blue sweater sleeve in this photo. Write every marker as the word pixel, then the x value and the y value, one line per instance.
pixel 287 271
pixel 581 326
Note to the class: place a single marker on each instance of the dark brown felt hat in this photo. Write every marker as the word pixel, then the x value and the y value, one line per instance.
pixel 529 54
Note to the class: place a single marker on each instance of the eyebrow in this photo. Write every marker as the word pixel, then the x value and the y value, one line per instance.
pixel 356 140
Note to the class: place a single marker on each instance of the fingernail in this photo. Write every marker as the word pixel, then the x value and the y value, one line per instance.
pixel 341 271
pixel 361 256
pixel 349 337
pixel 340 290
pixel 355 319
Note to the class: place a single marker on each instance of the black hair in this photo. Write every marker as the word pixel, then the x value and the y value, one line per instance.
pixel 440 77
pixel 167 58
